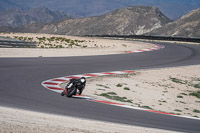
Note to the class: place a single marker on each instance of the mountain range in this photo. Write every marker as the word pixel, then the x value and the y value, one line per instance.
pixel 126 21
pixel 134 20
pixel 187 26
pixel 18 17
pixel 174 9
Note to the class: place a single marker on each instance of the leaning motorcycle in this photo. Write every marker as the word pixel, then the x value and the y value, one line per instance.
pixel 70 90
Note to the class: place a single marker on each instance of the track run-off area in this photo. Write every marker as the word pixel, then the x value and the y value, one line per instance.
pixel 21 85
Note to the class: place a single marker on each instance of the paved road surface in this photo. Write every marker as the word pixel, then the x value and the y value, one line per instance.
pixel 20 85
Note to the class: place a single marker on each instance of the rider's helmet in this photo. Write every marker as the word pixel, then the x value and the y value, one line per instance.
pixel 83 80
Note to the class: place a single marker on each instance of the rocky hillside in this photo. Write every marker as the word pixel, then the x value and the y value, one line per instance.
pixel 17 17
pixel 135 20
pixel 186 26
pixel 87 8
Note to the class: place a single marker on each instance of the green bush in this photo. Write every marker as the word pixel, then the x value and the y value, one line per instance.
pixel 126 88
pixel 196 111
pixel 183 94
pixel 196 94
pixel 197 86
pixel 146 107
pixel 109 95
pixel 179 96
pixel 119 85
pixel 178 80
pixel 112 93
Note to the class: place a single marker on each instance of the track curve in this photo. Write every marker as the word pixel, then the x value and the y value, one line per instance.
pixel 21 77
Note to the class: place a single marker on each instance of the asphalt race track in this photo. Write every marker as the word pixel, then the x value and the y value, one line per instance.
pixel 20 85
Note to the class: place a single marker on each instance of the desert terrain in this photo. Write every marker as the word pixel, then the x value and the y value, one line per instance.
pixel 171 90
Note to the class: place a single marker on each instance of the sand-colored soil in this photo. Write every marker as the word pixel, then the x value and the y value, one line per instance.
pixel 22 121
pixel 168 90
pixel 83 46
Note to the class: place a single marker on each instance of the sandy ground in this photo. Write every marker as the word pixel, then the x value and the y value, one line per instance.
pixel 23 121
pixel 83 46
pixel 168 90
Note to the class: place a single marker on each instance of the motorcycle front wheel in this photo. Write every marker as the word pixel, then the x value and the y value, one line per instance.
pixel 71 91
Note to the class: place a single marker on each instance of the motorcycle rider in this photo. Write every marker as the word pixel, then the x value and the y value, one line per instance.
pixel 79 83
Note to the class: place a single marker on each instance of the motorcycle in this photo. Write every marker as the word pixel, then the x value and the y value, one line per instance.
pixel 70 89
pixel 74 85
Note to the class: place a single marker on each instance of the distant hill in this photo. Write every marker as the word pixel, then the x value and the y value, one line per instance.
pixel 186 26
pixel 137 20
pixel 126 21
pixel 17 17
pixel 174 9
